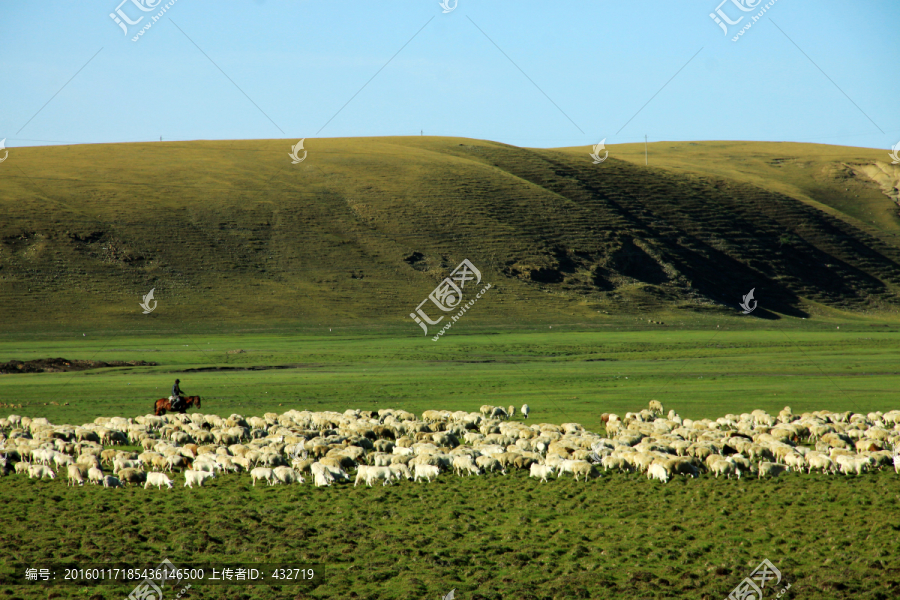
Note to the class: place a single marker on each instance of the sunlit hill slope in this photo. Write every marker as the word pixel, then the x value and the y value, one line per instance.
pixel 363 229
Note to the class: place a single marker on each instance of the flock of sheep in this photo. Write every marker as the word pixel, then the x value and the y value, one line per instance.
pixel 391 445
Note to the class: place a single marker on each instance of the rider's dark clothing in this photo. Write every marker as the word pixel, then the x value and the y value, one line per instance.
pixel 177 393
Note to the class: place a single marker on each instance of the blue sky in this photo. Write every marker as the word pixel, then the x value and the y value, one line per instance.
pixel 583 71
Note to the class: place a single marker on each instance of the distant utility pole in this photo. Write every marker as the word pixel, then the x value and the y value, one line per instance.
pixel 646 158
pixel 421 132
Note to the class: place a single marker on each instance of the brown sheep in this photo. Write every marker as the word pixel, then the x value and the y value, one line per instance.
pixel 523 462
pixel 132 476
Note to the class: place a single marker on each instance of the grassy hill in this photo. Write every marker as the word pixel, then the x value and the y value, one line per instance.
pixel 363 230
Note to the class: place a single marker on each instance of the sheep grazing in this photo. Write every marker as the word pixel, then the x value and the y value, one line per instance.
pixel 75 475
pixel 322 477
pixel 464 464
pixel 724 467
pixel 132 476
pixel 853 464
pixel 769 469
pixel 391 444
pixel 658 471
pixel 399 471
pixel 541 472
pixel 287 475
pixel 111 482
pixel 40 471
pixel 198 477
pixel 95 475
pixel 370 475
pixel 263 473
pixel 820 462
pixel 426 472
pixel 584 468
pixel 159 480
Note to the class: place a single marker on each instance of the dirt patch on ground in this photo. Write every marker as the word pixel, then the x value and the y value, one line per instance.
pixel 62 365
pixel 254 368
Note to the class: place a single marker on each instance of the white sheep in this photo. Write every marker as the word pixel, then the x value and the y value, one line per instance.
pixel 41 471
pixel 525 411
pixel 191 477
pixel 399 471
pixel 287 475
pixel 322 477
pixel 62 460
pixel 263 473
pixel 75 475
pixel 540 471
pixel 499 413
pixel 95 475
pixel 819 462
pixel 158 479
pixel 374 474
pixel 658 471
pixel 465 464
pixel 724 467
pixel 489 464
pixel 853 464
pixel 121 463
pixel 426 472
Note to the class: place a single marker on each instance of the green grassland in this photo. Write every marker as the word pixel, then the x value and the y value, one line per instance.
pixel 489 537
pixel 563 375
pixel 613 284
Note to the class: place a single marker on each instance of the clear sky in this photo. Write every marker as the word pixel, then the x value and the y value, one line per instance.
pixel 540 74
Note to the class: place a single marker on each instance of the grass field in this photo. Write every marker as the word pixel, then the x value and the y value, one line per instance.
pixel 563 375
pixel 489 537
pixel 613 284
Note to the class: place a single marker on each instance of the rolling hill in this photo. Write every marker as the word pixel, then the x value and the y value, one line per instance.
pixel 363 230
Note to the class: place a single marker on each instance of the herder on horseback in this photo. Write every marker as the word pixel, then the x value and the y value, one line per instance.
pixel 177 397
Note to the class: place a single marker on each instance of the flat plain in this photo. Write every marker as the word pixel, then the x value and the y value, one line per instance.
pixel 489 536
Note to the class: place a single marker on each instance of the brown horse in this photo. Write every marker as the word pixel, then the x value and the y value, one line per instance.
pixel 163 405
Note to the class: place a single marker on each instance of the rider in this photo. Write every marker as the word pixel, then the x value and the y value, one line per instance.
pixel 176 396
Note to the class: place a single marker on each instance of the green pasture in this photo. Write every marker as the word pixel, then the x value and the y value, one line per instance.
pixel 489 537
pixel 563 375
